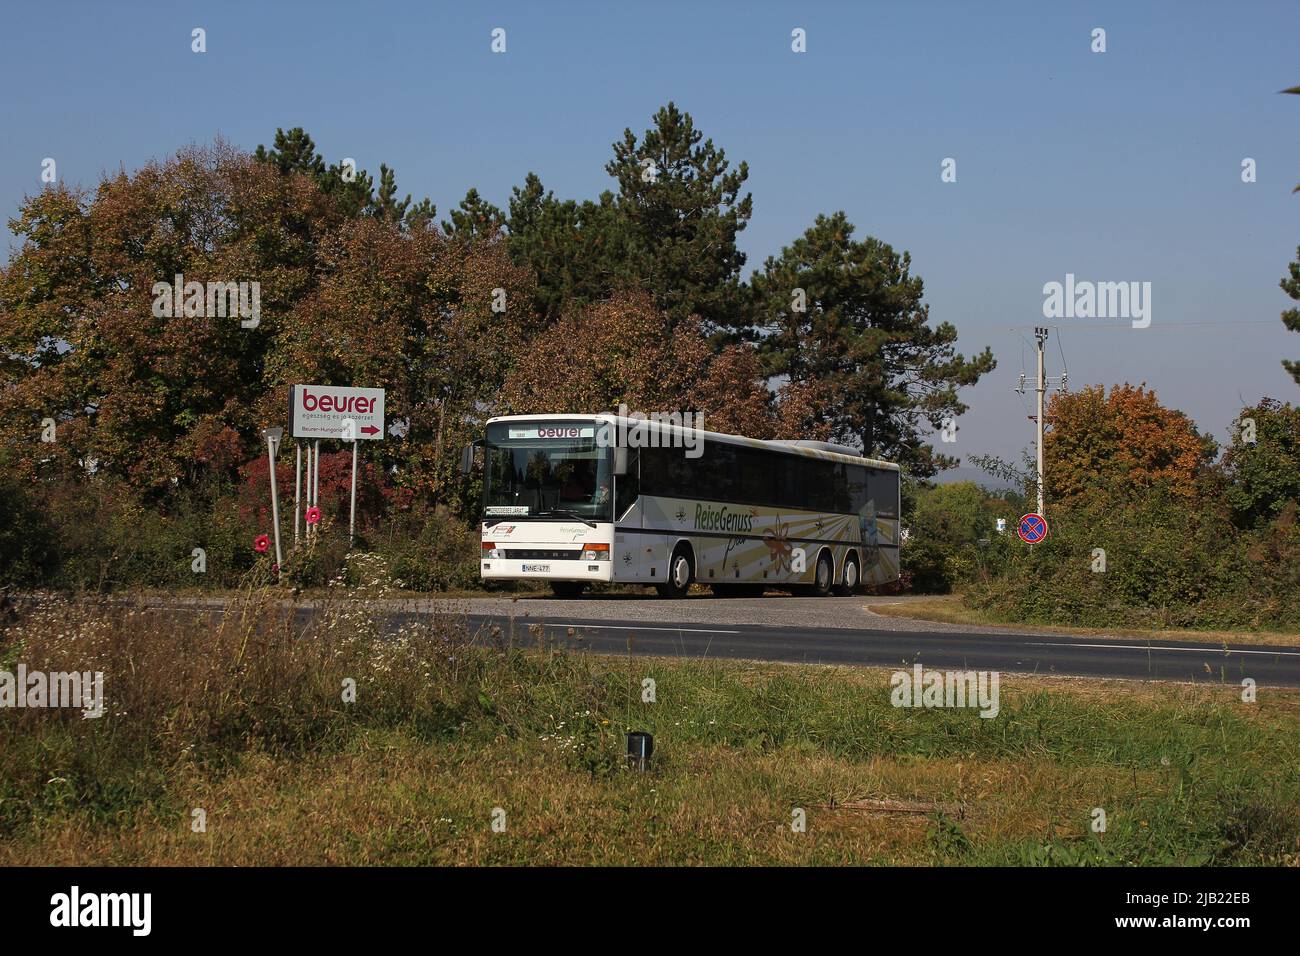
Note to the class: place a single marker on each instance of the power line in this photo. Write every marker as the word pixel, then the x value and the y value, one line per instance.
pixel 1123 327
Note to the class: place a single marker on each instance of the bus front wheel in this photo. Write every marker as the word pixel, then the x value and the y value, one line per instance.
pixel 680 573
pixel 822 581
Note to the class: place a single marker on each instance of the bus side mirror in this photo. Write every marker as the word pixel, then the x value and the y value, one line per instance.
pixel 467 459
pixel 620 461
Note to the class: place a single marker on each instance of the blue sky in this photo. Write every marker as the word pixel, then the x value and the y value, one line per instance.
pixel 1115 166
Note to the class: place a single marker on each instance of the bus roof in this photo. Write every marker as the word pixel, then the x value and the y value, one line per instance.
pixel 804 450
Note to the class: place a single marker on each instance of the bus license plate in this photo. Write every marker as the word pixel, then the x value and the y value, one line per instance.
pixel 536 567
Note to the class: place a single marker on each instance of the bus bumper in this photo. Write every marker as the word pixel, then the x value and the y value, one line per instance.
pixel 506 569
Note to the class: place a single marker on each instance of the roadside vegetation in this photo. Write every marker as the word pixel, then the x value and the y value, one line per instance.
pixel 244 718
pixel 1152 526
pixel 130 455
pixel 129 430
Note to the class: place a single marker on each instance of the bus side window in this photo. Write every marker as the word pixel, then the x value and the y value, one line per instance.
pixel 840 488
pixel 716 472
pixel 654 470
pixel 627 488
pixel 858 493
pixel 884 491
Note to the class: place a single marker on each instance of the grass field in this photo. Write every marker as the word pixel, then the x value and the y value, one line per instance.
pixel 246 721
pixel 949 609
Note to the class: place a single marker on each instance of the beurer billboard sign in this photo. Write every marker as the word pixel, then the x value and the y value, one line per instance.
pixel 325 411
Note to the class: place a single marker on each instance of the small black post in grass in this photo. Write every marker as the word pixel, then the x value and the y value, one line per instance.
pixel 640 745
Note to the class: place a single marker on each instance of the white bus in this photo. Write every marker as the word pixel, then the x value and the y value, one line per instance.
pixel 567 501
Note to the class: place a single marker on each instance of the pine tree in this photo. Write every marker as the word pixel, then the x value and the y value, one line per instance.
pixel 670 229
pixel 353 189
pixel 386 207
pixel 293 152
pixel 475 217
pixel 578 251
pixel 1291 286
pixel 683 209
pixel 1291 317
pixel 848 316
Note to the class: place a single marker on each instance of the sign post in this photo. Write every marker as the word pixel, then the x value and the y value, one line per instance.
pixel 297 490
pixel 315 476
pixel 273 436
pixel 352 507
pixel 348 414
pixel 350 434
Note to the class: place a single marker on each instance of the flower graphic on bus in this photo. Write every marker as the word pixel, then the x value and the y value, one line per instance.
pixel 778 545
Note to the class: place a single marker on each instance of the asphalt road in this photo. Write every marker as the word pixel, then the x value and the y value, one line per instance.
pixel 945 649
pixel 823 631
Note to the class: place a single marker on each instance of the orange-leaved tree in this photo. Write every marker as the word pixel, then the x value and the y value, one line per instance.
pixel 1103 444
pixel 626 350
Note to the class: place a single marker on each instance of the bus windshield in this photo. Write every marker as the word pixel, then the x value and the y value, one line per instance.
pixel 546 470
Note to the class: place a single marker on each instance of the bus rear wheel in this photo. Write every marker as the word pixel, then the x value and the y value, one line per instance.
pixel 851 578
pixel 680 573
pixel 568 589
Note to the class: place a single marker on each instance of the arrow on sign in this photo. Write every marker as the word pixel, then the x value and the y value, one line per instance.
pixel 368 429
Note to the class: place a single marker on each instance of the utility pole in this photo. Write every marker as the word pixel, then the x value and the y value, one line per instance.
pixel 1043 383
pixel 1040 334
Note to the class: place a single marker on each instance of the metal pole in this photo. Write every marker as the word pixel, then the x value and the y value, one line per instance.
pixel 352 513
pixel 306 488
pixel 275 501
pixel 315 488
pixel 297 490
pixel 1041 335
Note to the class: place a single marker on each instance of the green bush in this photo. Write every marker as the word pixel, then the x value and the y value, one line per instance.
pixel 28 551
pixel 951 528
pixel 1168 563
pixel 432 550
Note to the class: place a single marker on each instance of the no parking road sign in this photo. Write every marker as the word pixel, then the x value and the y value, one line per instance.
pixel 1033 528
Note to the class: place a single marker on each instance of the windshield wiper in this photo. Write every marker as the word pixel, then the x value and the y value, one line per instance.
pixel 567 514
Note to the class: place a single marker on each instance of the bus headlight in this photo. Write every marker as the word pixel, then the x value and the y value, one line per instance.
pixel 490 550
pixel 595 552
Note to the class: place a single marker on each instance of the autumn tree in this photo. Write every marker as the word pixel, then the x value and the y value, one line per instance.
pixel 625 350
pixel 160 396
pixel 848 316
pixel 139 385
pixel 433 320
pixel 1101 444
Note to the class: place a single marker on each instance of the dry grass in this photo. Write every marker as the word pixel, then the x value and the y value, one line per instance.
pixel 391 800
pixel 242 717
